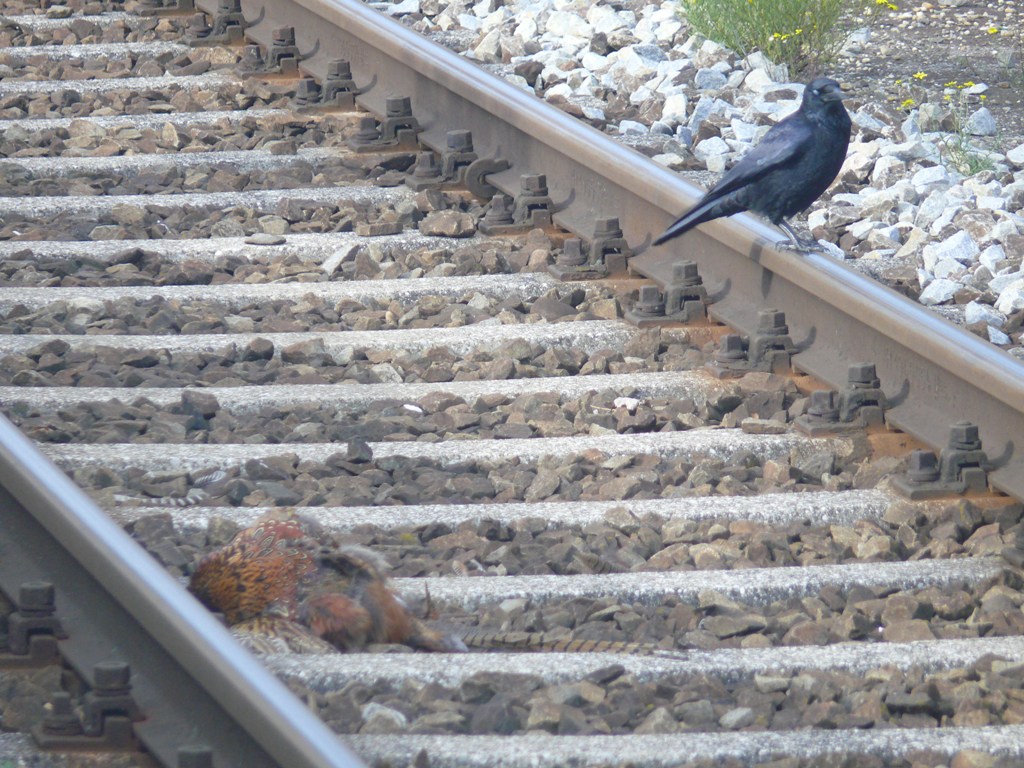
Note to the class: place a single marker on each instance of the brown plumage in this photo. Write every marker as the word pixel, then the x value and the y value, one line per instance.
pixel 282 574
pixel 259 572
pixel 273 634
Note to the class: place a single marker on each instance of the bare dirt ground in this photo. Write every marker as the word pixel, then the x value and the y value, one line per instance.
pixel 969 41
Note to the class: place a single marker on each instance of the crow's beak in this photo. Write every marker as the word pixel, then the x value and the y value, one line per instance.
pixel 833 95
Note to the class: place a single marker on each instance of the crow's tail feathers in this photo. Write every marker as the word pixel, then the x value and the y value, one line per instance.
pixel 699 214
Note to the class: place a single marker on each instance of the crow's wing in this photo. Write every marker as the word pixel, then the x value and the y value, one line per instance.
pixel 782 145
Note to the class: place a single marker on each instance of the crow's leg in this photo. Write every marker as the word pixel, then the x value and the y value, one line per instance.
pixel 802 244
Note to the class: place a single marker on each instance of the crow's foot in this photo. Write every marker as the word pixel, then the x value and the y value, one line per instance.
pixel 796 242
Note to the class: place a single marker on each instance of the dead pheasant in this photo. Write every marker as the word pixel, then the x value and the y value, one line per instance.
pixel 281 575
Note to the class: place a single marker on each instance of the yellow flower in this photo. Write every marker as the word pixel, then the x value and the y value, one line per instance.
pixel 983 97
pixel 950 84
pixel 920 75
pixel 893 7
pixel 993 30
pixel 897 82
pixel 907 104
pixel 969 84
pixel 797 32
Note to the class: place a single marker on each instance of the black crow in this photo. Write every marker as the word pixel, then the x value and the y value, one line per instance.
pixel 787 171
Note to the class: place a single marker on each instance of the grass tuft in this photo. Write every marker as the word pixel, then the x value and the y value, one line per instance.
pixel 806 35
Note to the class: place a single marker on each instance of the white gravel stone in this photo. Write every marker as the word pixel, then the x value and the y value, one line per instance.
pixel 1011 298
pixel 999 283
pixel 975 312
pixel 632 128
pixel 709 79
pixel 886 171
pixel 960 247
pixel 1016 156
pixel 402 8
pixel 993 257
pixel 861 229
pixel 527 29
pixel 817 218
pixel 981 123
pixel 991 203
pixel 748 132
pixel 931 179
pixel 711 147
pixel 707 106
pixel 674 109
pixel 640 95
pixel 488 49
pixel 831 249
pixel 470 22
pixel 911 127
pixel 710 53
pixel 950 268
pixel 667 30
pixel 865 121
pixel 912 150
pixel 939 292
pixel 758 79
pixel 565 24
pixel 604 19
pixel 996 336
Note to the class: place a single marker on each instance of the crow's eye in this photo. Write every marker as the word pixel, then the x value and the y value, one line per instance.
pixel 816 92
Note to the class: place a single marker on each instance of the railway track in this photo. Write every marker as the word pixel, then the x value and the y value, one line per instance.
pixel 222 297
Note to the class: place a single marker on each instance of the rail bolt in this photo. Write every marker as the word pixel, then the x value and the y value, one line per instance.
pixel 339 69
pixel 198 27
pixel 862 376
pixel 650 303
pixel 572 254
pixel 284 36
pixel 823 405
pixel 923 467
pixel 534 184
pixel 500 210
pixel 459 141
pixel 307 91
pixel 607 227
pixel 963 436
pixel 111 678
pixel 731 349
pixel 36 598
pixel 685 273
pixel 426 166
pixel 772 322
pixel 398 106
pixel 367 131
pixel 61 720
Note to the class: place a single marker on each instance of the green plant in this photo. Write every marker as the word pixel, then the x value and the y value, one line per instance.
pixel 958 148
pixel 804 34
pixel 961 153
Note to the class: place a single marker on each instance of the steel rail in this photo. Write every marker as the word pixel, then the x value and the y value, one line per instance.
pixel 190 679
pixel 835 315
